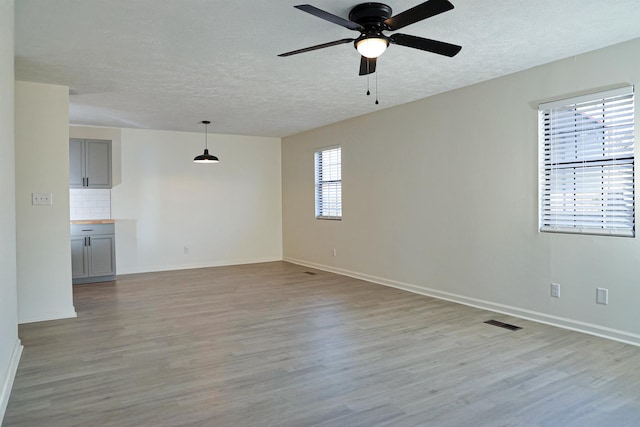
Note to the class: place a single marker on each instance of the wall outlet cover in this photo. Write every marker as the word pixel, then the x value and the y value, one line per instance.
pixel 602 296
pixel 555 290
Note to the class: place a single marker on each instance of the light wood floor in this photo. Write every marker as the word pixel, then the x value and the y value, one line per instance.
pixel 269 345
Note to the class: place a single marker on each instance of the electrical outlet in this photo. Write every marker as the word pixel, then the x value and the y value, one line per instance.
pixel 186 250
pixel 555 290
pixel 41 199
pixel 602 296
pixel 334 252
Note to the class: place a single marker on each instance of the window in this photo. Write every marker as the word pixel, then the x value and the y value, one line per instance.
pixel 587 164
pixel 328 183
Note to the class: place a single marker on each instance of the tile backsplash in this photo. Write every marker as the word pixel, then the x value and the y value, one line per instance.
pixel 90 204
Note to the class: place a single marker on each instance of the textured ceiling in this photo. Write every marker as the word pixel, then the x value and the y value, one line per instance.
pixel 168 64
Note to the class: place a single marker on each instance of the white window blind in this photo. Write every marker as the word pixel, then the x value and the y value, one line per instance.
pixel 328 183
pixel 587 164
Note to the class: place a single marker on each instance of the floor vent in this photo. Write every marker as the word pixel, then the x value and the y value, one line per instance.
pixel 503 325
pixel 310 273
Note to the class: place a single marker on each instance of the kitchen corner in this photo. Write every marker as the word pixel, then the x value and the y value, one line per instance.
pixel 93 256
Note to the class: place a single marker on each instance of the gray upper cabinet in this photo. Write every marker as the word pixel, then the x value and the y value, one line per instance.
pixel 76 163
pixel 89 163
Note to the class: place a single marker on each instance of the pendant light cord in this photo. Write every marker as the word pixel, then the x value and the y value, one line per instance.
pixel 206 145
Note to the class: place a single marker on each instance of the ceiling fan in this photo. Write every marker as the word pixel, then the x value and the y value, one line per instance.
pixel 371 19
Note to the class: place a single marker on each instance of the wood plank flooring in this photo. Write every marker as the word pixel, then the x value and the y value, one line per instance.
pixel 270 345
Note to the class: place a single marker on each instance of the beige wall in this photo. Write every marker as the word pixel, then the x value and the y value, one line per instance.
pixel 42 166
pixel 440 197
pixel 225 213
pixel 10 347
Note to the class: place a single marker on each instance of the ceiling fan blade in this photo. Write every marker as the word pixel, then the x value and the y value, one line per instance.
pixel 435 46
pixel 367 65
pixel 316 47
pixel 418 13
pixel 329 17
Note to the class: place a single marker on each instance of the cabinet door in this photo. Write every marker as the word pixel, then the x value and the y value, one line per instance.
pixel 98 163
pixel 79 258
pixel 102 255
pixel 76 163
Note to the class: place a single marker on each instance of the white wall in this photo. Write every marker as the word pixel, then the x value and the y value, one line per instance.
pixel 10 347
pixel 440 197
pixel 42 166
pixel 225 213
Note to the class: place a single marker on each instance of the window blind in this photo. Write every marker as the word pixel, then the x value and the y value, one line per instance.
pixel 587 164
pixel 328 180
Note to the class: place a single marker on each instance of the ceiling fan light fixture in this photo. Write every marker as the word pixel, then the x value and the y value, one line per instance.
pixel 372 47
pixel 205 157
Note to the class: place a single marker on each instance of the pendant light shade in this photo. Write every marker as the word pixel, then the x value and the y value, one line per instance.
pixel 206 157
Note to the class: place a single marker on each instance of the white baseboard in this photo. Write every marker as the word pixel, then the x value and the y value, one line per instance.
pixel 561 322
pixel 7 384
pixel 45 317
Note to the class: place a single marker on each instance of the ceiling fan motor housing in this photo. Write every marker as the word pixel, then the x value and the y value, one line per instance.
pixel 371 15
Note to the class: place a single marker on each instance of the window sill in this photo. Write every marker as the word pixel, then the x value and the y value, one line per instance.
pixel 330 218
pixel 588 232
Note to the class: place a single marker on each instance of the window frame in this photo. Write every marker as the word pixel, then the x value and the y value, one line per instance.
pixel 326 210
pixel 581 210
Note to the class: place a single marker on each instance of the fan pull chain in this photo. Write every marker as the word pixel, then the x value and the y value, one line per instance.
pixel 368 92
pixel 368 83
pixel 377 89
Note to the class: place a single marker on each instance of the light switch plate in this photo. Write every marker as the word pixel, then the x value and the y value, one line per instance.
pixel 41 199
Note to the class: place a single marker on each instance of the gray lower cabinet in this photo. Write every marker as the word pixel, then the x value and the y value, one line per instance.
pixel 93 253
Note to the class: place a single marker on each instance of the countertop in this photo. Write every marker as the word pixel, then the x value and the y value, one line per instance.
pixel 93 221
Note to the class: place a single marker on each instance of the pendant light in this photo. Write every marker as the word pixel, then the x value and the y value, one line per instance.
pixel 206 157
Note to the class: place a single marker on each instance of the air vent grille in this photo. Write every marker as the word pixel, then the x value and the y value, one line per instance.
pixel 502 325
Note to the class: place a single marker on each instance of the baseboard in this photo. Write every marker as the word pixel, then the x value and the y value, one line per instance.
pixel 561 322
pixel 8 381
pixel 223 263
pixel 45 317
pixel 94 279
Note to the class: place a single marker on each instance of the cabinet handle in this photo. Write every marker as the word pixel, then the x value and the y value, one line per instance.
pixel 87 181
pixel 89 241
